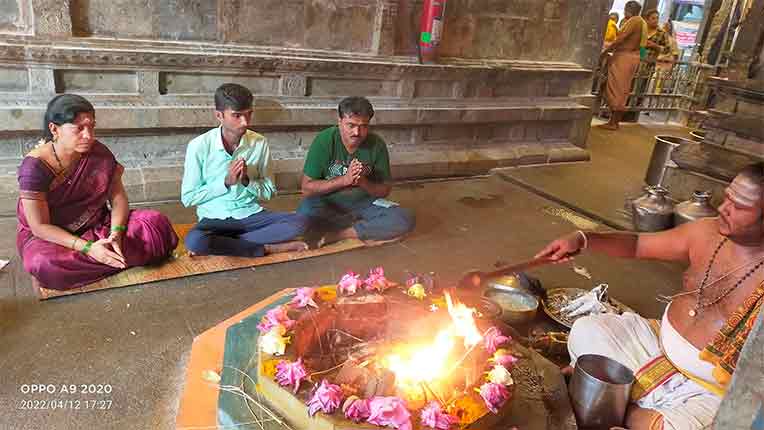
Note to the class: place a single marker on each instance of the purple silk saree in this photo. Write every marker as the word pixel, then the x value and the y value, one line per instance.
pixel 77 202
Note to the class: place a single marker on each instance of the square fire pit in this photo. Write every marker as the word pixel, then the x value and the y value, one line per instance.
pixel 350 342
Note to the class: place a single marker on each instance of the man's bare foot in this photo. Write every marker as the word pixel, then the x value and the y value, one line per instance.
pixel 608 126
pixel 348 233
pixel 292 246
pixel 321 242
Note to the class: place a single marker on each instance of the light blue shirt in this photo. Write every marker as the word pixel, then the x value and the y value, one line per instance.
pixel 205 170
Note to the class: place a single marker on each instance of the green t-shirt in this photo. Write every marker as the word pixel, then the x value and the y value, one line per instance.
pixel 328 158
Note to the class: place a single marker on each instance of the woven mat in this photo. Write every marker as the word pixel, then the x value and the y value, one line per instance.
pixel 181 264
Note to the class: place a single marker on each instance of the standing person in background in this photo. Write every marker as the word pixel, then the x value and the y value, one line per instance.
pixel 657 40
pixel 657 43
pixel 671 55
pixel 624 62
pixel 666 60
pixel 611 32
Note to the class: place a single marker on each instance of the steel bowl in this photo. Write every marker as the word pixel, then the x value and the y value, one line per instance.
pixel 515 282
pixel 517 307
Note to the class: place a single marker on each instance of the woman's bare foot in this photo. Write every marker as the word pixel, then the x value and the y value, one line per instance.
pixel 292 246
pixel 567 370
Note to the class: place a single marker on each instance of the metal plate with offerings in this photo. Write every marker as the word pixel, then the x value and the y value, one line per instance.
pixel 558 298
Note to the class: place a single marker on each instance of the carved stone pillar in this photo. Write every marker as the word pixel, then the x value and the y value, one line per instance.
pixel 747 45
pixel 148 83
pixel 294 85
pixel 52 18
pixel 711 47
pixel 42 81
pixel 383 41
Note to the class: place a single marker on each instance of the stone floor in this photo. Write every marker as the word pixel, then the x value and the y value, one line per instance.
pixel 600 187
pixel 137 339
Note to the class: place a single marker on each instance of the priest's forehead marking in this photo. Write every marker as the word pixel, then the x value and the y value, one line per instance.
pixel 745 190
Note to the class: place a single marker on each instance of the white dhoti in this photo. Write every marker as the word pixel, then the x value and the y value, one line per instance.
pixel 630 340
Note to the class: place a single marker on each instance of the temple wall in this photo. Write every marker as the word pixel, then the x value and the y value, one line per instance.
pixel 511 87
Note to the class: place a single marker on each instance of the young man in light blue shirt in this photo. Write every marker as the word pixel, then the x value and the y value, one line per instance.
pixel 226 174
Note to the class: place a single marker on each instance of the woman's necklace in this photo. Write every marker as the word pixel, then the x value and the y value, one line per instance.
pixel 55 154
pixel 700 304
pixel 58 160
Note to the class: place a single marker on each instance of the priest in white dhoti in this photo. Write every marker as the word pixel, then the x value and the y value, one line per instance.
pixel 684 361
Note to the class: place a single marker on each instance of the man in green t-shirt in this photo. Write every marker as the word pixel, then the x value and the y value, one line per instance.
pixel 346 177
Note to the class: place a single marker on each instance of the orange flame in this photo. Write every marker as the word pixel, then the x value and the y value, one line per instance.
pixel 464 323
pixel 414 365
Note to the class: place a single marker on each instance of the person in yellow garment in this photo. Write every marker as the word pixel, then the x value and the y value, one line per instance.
pixel 612 28
pixel 683 363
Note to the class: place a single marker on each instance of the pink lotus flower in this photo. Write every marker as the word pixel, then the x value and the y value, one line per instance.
pixel 356 409
pixel 411 280
pixel 290 373
pixel 389 411
pixel 434 417
pixel 274 317
pixel 326 398
pixel 505 359
pixel 493 339
pixel 376 280
pixel 350 283
pixel 494 395
pixel 304 297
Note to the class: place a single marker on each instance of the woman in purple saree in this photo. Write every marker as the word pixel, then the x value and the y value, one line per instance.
pixel 67 235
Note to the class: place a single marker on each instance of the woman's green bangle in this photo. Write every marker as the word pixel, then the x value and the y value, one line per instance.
pixel 85 249
pixel 119 228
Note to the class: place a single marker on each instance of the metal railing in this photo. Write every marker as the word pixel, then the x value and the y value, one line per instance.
pixel 661 86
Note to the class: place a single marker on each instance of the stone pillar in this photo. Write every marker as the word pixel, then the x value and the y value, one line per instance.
pixel 710 7
pixel 383 39
pixel 586 51
pixel 52 18
pixel 716 33
pixel 747 46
